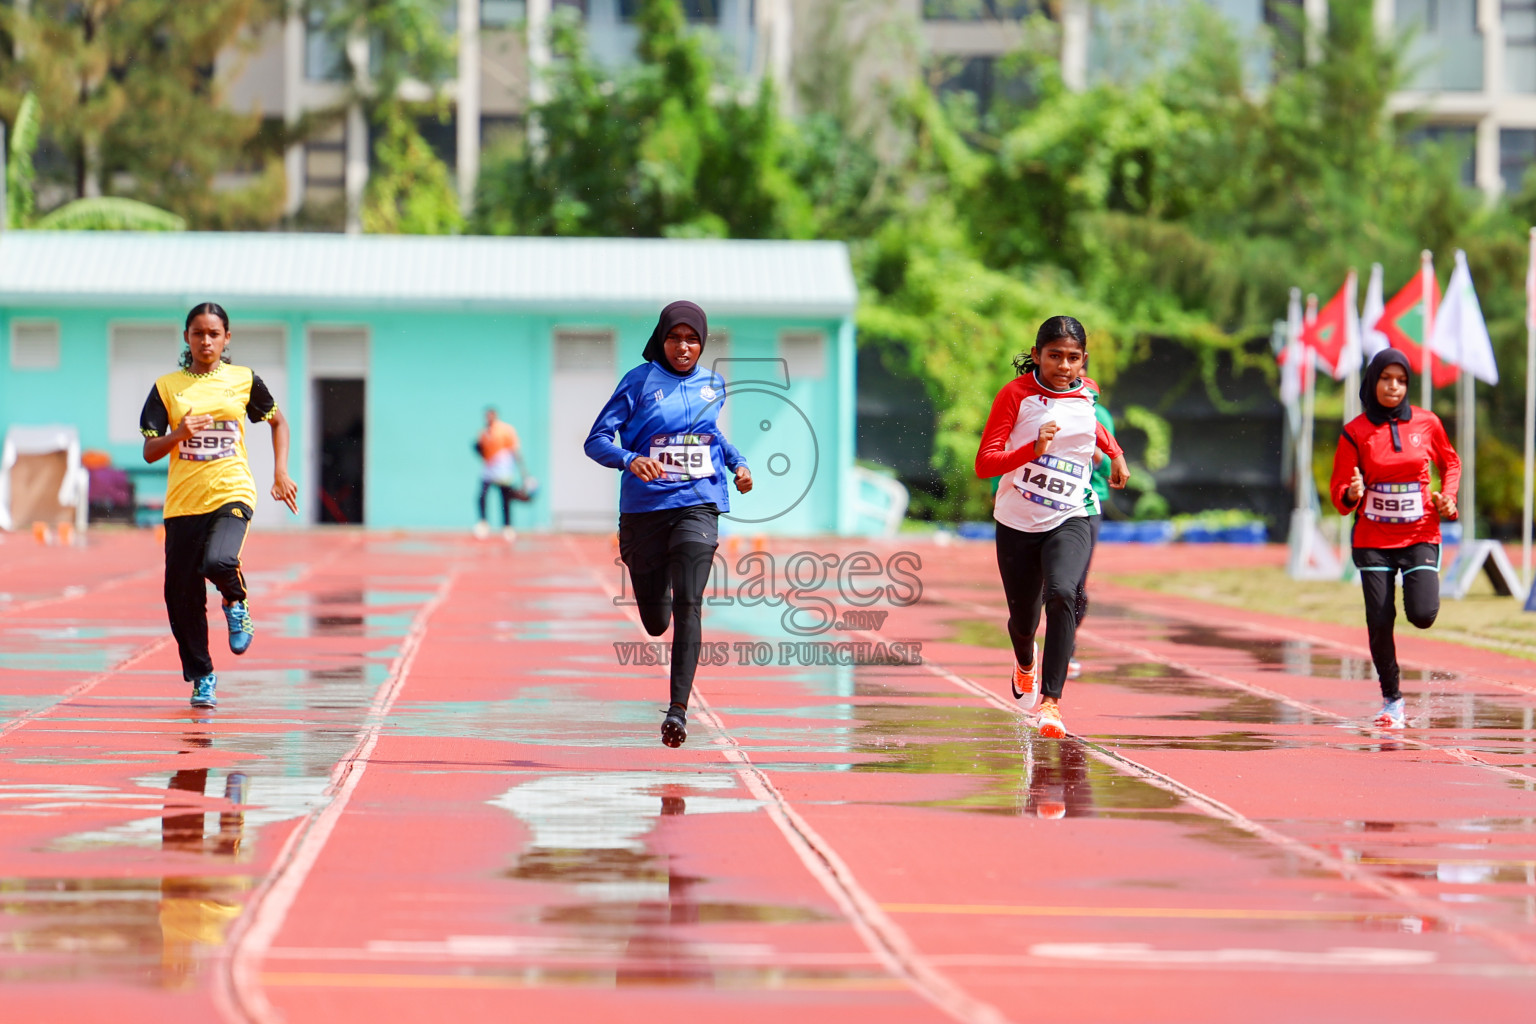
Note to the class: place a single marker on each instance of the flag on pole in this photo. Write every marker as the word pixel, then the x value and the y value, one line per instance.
pixel 1335 335
pixel 1372 340
pixel 1291 355
pixel 1460 335
pixel 1402 322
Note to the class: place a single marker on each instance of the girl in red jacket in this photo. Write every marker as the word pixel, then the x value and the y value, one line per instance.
pixel 1040 438
pixel 1381 474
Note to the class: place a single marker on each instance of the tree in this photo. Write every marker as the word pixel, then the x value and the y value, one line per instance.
pixel 670 147
pixel 128 94
pixel 409 192
pixel 98 213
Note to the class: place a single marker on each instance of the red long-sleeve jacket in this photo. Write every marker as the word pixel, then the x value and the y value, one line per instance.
pixel 1394 459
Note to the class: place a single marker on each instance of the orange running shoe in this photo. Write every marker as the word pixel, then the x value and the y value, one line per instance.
pixel 1051 725
pixel 1026 681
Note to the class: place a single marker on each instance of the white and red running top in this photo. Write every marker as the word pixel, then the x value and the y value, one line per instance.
pixel 1040 491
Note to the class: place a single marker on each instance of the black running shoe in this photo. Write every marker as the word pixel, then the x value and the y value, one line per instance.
pixel 674 728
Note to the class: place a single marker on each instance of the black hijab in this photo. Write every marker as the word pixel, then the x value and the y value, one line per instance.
pixel 1374 410
pixel 680 312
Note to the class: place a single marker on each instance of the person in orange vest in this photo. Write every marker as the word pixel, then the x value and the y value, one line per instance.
pixel 502 467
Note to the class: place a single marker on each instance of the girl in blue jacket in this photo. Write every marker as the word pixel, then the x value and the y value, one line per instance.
pixel 660 428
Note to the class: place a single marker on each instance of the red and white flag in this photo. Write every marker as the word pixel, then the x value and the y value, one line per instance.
pixel 1335 335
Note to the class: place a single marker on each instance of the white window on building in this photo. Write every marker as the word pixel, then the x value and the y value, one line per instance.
pixel 137 355
pixel 34 344
pixel 805 354
pixel 1461 139
pixel 1517 151
pixel 1519 20
pixel 1447 50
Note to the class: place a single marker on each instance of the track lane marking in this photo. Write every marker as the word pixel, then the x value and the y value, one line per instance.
pixel 882 935
pixel 237 992
pixel 149 649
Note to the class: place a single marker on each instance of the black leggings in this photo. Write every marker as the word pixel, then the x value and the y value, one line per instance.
pixel 506 501
pixel 1080 609
pixel 670 554
pixel 202 547
pixel 1379 567
pixel 1044 568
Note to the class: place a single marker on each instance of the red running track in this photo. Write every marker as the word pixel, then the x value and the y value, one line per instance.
pixel 433 790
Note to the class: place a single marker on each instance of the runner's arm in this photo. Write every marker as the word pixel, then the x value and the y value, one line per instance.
pixel 601 445
pixel 1346 459
pixel 155 425
pixel 993 457
pixel 1106 441
pixel 1446 459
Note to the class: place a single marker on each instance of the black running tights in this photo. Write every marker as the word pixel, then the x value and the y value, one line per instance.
pixel 670 554
pixel 1379 567
pixel 198 548
pixel 1044 568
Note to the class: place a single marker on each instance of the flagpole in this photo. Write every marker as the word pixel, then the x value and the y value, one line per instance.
pixel 1427 289
pixel 1530 412
pixel 1305 484
pixel 1351 407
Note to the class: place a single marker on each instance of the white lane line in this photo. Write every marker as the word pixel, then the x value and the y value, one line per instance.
pixel 1145 654
pixel 1210 806
pixel 884 938
pixel 238 992
pixel 75 593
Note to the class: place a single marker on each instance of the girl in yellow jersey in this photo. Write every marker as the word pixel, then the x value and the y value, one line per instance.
pixel 196 416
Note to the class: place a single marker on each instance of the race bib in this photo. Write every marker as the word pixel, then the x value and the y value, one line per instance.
pixel 684 456
pixel 1393 503
pixel 219 441
pixel 1054 482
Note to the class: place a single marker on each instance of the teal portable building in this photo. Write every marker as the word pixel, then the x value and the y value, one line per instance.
pixel 385 351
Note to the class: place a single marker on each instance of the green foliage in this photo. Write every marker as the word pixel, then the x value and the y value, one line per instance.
pixel 1159 434
pixel 669 147
pixel 125 94
pixel 409 192
pixel 103 213
pixel 20 177
pixel 109 213
pixel 1174 201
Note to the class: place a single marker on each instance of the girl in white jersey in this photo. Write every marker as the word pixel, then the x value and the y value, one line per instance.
pixel 1040 438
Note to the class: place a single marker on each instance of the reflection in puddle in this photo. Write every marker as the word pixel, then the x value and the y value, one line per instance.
pixel 158 930
pixel 635 912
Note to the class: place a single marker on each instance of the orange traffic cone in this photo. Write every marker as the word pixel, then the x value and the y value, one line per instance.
pixel 41 533
pixel 66 533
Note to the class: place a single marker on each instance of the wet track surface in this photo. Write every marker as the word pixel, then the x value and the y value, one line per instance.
pixel 434 790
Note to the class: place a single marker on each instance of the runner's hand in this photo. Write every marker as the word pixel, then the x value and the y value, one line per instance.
pixel 193 423
pixel 1047 432
pixel 1356 489
pixel 1444 504
pixel 743 479
pixel 1119 473
pixel 646 468
pixel 286 491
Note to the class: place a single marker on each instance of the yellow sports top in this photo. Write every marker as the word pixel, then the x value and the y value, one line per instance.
pixel 210 470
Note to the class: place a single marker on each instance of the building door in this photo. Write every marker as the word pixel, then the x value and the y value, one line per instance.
pixel 338 450
pixel 339 406
pixel 582 495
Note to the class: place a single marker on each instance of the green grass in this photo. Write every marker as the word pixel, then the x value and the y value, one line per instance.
pixel 1481 619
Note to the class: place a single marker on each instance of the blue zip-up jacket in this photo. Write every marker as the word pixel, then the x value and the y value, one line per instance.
pixel 658 412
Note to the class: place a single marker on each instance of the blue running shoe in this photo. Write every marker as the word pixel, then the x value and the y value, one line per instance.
pixel 202 691
pixel 1391 715
pixel 241 629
